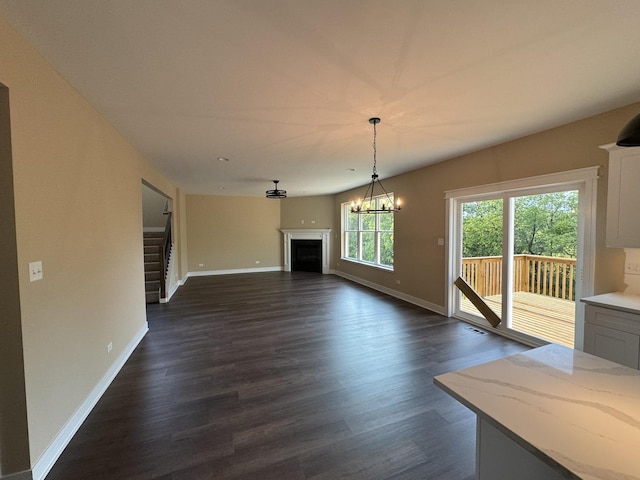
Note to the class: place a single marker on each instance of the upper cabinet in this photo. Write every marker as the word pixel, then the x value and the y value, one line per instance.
pixel 623 199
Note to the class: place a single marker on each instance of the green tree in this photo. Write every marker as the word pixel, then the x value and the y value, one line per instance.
pixel 544 224
pixel 482 228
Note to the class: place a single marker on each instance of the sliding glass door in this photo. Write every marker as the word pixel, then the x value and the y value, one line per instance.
pixel 520 250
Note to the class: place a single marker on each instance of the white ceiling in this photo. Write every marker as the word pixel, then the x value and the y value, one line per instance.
pixel 284 88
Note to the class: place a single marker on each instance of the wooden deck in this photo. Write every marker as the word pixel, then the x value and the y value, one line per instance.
pixel 549 318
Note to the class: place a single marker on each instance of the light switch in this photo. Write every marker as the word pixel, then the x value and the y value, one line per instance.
pixel 35 271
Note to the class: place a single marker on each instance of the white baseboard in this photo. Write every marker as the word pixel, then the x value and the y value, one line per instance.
pixel 172 291
pixel 53 452
pixel 26 475
pixel 394 293
pixel 234 271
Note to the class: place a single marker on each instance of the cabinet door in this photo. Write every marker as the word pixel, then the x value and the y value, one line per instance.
pixel 611 344
pixel 623 199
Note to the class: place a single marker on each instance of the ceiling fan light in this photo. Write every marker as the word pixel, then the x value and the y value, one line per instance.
pixel 275 193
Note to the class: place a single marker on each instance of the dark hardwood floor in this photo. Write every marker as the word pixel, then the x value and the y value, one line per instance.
pixel 285 376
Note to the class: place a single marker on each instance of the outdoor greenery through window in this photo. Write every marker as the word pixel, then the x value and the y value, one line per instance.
pixel 544 224
pixel 368 238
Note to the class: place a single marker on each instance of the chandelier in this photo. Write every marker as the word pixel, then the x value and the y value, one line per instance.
pixel 368 204
pixel 275 193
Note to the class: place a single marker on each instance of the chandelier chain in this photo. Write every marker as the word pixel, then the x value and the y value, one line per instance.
pixel 374 148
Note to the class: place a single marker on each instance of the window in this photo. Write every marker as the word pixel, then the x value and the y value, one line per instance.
pixel 368 238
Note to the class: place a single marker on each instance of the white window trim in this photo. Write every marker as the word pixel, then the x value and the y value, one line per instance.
pixel 584 179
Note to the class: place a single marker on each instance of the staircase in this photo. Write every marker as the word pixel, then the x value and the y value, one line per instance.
pixel 152 266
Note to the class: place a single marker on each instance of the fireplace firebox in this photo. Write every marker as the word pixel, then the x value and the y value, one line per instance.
pixel 306 256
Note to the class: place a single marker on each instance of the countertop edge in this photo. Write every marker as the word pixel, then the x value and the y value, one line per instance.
pixel 532 449
pixel 616 301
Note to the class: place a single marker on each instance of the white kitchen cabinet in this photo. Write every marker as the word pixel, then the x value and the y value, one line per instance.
pixel 612 328
pixel 612 344
pixel 623 197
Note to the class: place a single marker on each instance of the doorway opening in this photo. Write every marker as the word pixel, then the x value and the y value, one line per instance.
pixel 157 244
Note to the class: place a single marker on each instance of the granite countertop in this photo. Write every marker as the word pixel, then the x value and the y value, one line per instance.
pixel 617 301
pixel 577 412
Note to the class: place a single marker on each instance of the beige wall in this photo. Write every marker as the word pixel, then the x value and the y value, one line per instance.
pixel 307 212
pixel 229 233
pixel 420 262
pixel 78 210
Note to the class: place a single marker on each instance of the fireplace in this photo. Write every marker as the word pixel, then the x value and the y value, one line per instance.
pixel 307 250
pixel 306 256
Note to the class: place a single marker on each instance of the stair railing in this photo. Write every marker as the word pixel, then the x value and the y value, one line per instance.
pixel 165 253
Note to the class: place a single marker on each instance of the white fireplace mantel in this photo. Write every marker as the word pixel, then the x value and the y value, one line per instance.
pixel 307 234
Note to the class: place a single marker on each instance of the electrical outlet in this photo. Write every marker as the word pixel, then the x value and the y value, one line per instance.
pixel 397 282
pixel 631 268
pixel 257 262
pixel 109 347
